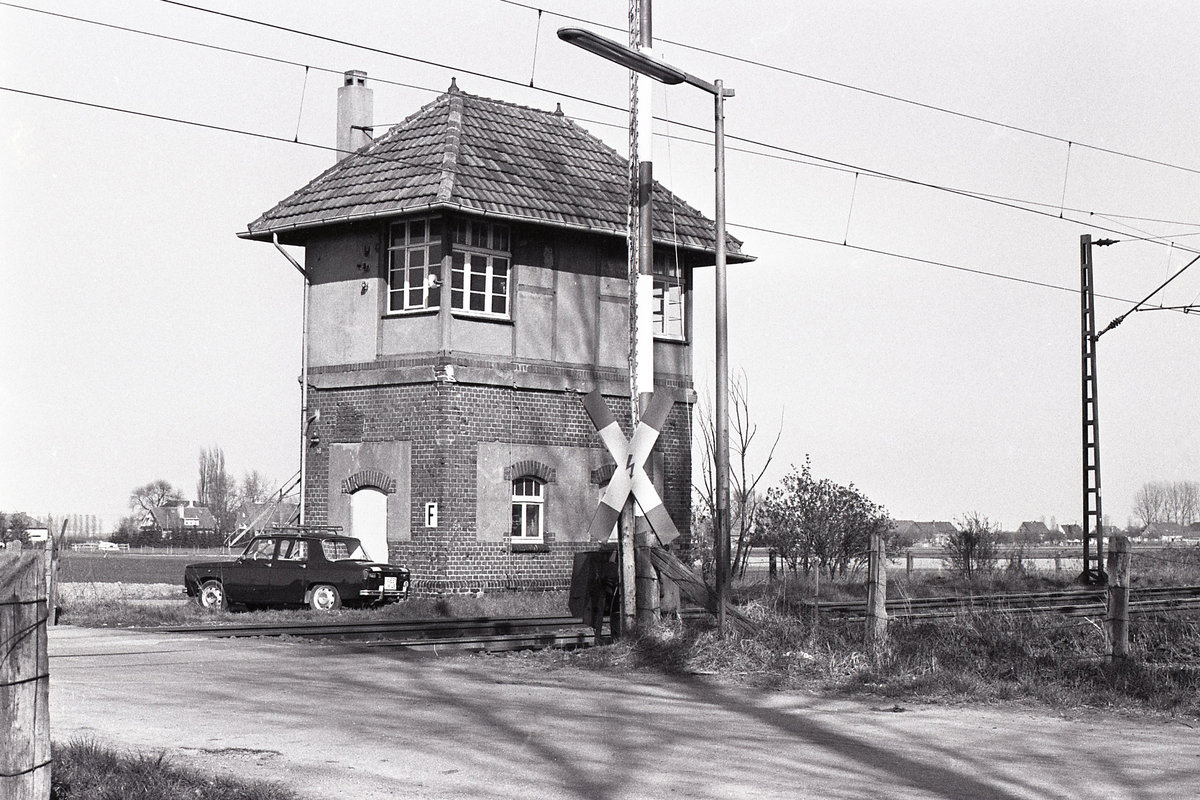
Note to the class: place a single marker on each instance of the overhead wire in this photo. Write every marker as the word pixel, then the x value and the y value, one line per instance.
pixel 927 261
pixel 842 165
pixel 821 162
pixel 760 229
pixel 872 92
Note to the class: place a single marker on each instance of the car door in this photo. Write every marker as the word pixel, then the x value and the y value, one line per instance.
pixel 289 572
pixel 248 580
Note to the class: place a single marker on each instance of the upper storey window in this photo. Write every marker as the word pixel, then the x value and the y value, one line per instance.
pixel 414 262
pixel 480 267
pixel 668 297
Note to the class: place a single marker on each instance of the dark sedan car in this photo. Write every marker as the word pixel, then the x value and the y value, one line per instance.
pixel 320 570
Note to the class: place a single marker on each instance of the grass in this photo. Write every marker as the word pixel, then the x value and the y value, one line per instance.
pixel 126 567
pixel 84 770
pixel 121 611
pixel 974 656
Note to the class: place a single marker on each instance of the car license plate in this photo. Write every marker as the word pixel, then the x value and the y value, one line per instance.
pixel 389 583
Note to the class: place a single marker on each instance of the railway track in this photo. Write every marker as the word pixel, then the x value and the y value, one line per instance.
pixel 495 634
pixel 492 634
pixel 1077 602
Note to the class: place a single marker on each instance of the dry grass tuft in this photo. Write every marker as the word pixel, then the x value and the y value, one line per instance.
pixel 83 770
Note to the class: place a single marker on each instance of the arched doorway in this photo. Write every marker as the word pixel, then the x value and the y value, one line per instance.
pixel 368 521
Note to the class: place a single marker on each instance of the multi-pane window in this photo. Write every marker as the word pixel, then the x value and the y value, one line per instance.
pixel 414 263
pixel 668 297
pixel 479 268
pixel 528 509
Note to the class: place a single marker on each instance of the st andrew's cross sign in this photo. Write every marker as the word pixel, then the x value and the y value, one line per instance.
pixel 630 475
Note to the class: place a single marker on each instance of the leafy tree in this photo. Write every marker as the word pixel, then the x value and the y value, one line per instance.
pixel 13 526
pixel 154 494
pixel 819 524
pixel 972 548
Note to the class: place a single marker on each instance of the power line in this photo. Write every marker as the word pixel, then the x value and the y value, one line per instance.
pixel 816 162
pixel 931 262
pixel 221 128
pixel 789 234
pixel 1014 203
pixel 875 93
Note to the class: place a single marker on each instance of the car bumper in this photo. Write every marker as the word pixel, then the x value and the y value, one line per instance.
pixel 382 595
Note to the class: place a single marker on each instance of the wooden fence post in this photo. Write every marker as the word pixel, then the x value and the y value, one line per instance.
pixel 876 630
pixel 24 678
pixel 908 563
pixel 1116 622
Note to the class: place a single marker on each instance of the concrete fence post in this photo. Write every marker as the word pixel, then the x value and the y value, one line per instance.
pixel 1116 621
pixel 876 631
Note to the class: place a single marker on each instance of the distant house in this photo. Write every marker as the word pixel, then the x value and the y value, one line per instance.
pixel 1164 532
pixel 1031 533
pixel 1072 533
pixel 181 522
pixel 927 534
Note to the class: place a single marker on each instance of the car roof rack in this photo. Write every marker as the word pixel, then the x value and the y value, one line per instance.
pixel 298 530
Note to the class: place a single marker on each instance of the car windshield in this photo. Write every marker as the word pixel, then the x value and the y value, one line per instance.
pixel 343 550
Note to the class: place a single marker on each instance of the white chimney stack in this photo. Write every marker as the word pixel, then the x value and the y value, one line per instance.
pixel 355 109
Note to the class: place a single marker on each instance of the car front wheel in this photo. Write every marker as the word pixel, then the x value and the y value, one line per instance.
pixel 325 598
pixel 212 596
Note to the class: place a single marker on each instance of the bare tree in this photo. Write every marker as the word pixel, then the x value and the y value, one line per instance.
pixel 745 472
pixel 154 494
pixel 1183 502
pixel 1167 501
pixel 255 488
pixel 1149 504
pixel 972 547
pixel 216 489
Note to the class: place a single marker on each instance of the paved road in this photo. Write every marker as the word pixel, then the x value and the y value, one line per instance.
pixel 333 724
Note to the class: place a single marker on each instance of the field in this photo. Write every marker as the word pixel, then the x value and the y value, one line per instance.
pixel 126 567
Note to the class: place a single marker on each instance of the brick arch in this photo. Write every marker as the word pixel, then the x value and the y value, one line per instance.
pixel 602 475
pixel 369 478
pixel 530 469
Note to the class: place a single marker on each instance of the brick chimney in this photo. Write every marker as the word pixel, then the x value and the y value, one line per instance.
pixel 355 109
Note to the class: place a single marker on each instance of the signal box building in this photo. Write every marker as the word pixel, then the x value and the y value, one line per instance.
pixel 469 285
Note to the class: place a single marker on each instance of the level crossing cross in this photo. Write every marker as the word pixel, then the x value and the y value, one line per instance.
pixel 630 475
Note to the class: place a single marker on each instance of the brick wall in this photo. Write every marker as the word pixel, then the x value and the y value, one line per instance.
pixel 444 423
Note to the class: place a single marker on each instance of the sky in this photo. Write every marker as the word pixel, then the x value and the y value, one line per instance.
pixel 137 329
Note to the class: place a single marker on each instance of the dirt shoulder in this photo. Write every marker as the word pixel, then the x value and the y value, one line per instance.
pixel 334 722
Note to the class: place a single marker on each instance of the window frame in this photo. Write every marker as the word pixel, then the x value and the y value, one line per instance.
pixel 525 502
pixel 669 274
pixel 432 247
pixel 477 248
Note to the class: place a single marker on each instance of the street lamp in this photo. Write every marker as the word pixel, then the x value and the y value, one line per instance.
pixel 665 73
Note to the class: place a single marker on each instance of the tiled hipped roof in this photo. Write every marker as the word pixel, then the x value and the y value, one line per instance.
pixel 487 157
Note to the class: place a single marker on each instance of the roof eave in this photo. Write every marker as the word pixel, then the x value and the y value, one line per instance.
pixel 289 234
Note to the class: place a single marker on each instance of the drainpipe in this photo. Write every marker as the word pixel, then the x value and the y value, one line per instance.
pixel 303 377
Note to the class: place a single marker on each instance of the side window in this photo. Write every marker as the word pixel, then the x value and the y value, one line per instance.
pixel 260 549
pixel 293 550
pixel 668 297
pixel 528 510
pixel 414 259
pixel 479 268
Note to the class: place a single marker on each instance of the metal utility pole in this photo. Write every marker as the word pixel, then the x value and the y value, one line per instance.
pixel 722 378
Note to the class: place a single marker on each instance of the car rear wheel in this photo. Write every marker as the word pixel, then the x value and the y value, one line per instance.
pixel 212 596
pixel 325 598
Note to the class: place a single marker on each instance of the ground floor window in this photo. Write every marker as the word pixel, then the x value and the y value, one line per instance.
pixel 528 510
